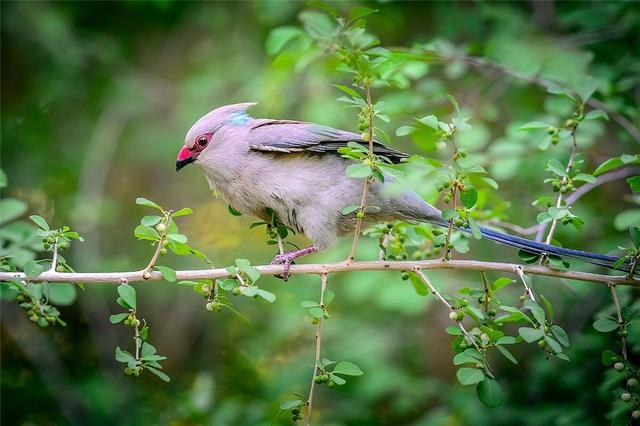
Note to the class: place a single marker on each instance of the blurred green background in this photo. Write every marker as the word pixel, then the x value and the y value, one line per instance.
pixel 96 99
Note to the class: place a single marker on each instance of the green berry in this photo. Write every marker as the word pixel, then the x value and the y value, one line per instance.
pixel 542 343
pixel 632 382
pixel 331 384
pixel 128 371
pixel 163 251
pixel 618 366
pixel 326 315
pixel 161 227
pixel 315 320
pixel 317 379
pixel 447 199
pixel 626 396
pixel 236 290
pixel 454 316
pixel 365 136
pixel 360 214
pixel 60 268
pixel 635 414
pixel 136 323
pixel 551 130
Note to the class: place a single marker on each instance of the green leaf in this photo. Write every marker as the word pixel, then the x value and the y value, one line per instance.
pixel 634 183
pixel 348 90
pixel 610 164
pixel 3 179
pixel 556 167
pixel 508 355
pixel 530 334
pixel 557 212
pixel 501 283
pixel 585 177
pixel 358 171
pixel 635 236
pixel 150 220
pixel 454 330
pixel 606 325
pixel 280 37
pixel 475 229
pixel 561 335
pixel 124 356
pixel 328 297
pixel 249 291
pixel 469 376
pixel 309 304
pixel 267 295
pixel 517 313
pixel 553 344
pixel 534 125
pixel 143 232
pixel 167 273
pixel 337 379
pixel 405 130
pixel 549 306
pixel 32 269
pixel 350 209
pixel 536 310
pixel 448 214
pixel 183 212
pixel 429 121
pixel 11 209
pixel 235 212
pixel 464 358
pixel 609 357
pixel 116 318
pixel 144 202
pixel 293 403
pixel 469 197
pixel 506 340
pixel 39 220
pixel 158 373
pixel 585 86
pixel 347 368
pixel 490 392
pixel 62 294
pixel 178 238
pixel 596 114
pixel 128 295
pixel 360 12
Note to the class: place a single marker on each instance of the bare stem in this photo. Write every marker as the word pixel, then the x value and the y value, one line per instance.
pixel 485 284
pixel 54 258
pixel 447 250
pixel 565 179
pixel 163 235
pixel 138 341
pixel 280 244
pixel 527 289
pixel 616 301
pixel 365 189
pixel 317 356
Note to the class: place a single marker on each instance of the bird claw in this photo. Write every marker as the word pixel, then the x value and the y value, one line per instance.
pixel 285 259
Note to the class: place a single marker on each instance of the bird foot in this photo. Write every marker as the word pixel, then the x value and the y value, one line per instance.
pixel 287 259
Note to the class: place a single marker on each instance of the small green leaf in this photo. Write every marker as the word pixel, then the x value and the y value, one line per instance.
pixel 347 368
pixel 235 212
pixel 596 114
pixel 280 37
pixel 158 373
pixel 536 310
pixel 561 335
pixel 405 130
pixel 62 294
pixel 293 403
pixel 530 334
pixel 464 358
pixel 337 379
pixel 179 238
pixel 143 232
pixel 634 183
pixel 606 325
pixel 508 355
pixel 116 318
pixel 469 376
pixel 475 229
pixel 350 209
pixel 534 125
pixel 609 357
pixel 167 273
pixel 556 167
pixel 585 177
pixel 454 330
pixel 429 121
pixel 309 304
pixel 490 392
pixel 249 291
pixel 144 202
pixel 548 306
pixel 358 171
pixel 635 236
pixel 32 269
pixel 39 220
pixel 585 86
pixel 124 356
pixel 469 197
pixel 360 12
pixel 150 220
pixel 348 90
pixel 128 295
pixel 183 212
pixel 553 344
pixel 501 283
pixel 448 214
pixel 610 164
pixel 267 295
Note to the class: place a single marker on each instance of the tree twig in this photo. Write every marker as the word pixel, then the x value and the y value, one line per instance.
pixel 317 354
pixel 527 289
pixel 616 301
pixel 54 257
pixel 319 268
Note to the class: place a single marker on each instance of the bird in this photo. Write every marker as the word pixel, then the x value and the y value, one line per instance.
pixel 293 168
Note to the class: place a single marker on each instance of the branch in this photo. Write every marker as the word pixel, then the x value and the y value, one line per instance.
pixel 319 268
pixel 318 344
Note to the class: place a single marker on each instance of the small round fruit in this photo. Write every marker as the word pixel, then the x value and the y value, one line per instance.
pixel 163 251
pixel 479 366
pixel 618 366
pixel 360 215
pixel 206 288
pixel 447 199
pixel 317 379
pixel 315 320
pixel 63 244
pixel 454 316
pixel 236 290
pixel 331 383
pixel 161 227
pixel 60 268
pixel 136 323
pixel 209 306
pixel 632 382
pixel 326 315
pixel 128 371
pixel 551 130
pixel 20 298
pixel 365 136
pixel 626 396
pixel 542 343
pixel 635 414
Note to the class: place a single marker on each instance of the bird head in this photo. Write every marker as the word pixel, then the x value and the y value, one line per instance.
pixel 202 134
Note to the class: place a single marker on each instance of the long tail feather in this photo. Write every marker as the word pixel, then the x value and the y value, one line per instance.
pixel 540 248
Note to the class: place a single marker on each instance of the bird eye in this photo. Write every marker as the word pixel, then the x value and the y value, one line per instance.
pixel 202 141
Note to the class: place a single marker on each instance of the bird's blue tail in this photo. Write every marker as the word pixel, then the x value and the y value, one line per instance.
pixel 546 249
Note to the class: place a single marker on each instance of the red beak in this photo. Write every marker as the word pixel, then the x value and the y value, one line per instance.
pixel 185 156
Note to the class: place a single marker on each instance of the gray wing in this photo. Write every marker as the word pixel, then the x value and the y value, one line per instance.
pixel 297 136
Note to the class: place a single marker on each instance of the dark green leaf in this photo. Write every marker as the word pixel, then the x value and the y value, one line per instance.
pixel 610 164
pixel 634 183
pixel 609 357
pixel 469 197
pixel 159 373
pixel 635 236
pixel 62 294
pixel 235 212
pixel 469 376
pixel 358 171
pixel 490 392
pixel 606 325
pixel 561 335
pixel 530 334
pixel 508 355
pixel 116 318
pixel 167 273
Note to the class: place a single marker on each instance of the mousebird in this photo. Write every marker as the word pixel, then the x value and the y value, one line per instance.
pixel 294 169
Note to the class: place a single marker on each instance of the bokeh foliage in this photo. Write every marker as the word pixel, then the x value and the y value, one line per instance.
pixel 96 100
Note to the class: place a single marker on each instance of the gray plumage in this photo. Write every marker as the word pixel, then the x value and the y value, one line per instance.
pixel 294 168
